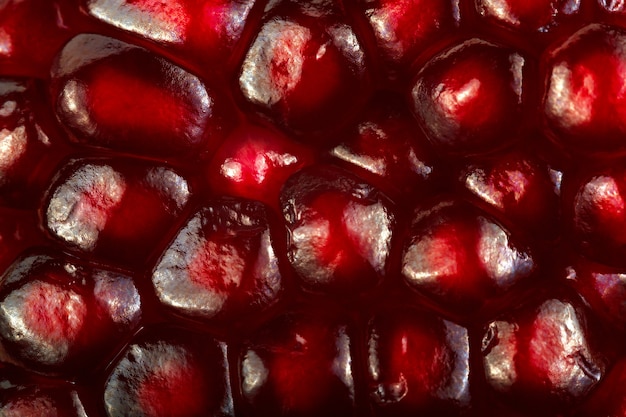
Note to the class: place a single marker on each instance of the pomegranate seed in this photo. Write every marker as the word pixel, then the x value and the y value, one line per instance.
pixel 42 404
pixel 406 28
pixel 528 15
pixel 115 210
pixel 30 52
pixel 55 314
pixel 461 257
pixel 582 103
pixel 204 31
pixel 598 218
pixel 23 144
pixel 469 99
pixel 169 373
pixel 519 186
pixel 603 287
pixel 221 262
pixel 255 162
pixel 115 95
pixel 387 148
pixel 307 70
pixel 417 363
pixel 339 230
pixel 542 352
pixel 299 366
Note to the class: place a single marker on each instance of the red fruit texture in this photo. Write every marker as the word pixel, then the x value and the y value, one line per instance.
pixel 325 208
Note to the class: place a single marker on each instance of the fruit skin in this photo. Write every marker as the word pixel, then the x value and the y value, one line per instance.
pixel 374 208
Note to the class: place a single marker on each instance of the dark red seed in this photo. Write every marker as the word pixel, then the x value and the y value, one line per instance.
pixel 30 52
pixel 417 363
pixel 598 219
pixel 57 315
pixel 306 67
pixel 254 162
pixel 204 32
pixel 115 95
pixel 518 186
pixel 583 103
pixel 299 365
pixel 387 148
pixel 542 352
pixel 113 209
pixel 167 373
pixel 406 28
pixel 462 258
pixel 469 99
pixel 527 15
pixel 340 230
pixel 221 264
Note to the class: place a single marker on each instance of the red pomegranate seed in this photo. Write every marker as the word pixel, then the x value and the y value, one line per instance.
pixel 527 15
pixel 583 103
pixel 469 99
pixel 41 403
pixel 339 230
pixel 462 258
pixel 204 31
pixel 406 28
pixel 221 264
pixel 25 145
pixel 417 363
pixel 387 148
pixel 113 209
pixel 519 186
pixel 543 352
pixel 597 217
pixel 299 365
pixel 603 287
pixel 115 95
pixel 306 67
pixel 31 31
pixel 55 314
pixel 169 373
pixel 254 162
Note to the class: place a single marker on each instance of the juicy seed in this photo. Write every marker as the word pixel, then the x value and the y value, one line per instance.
pixel 461 258
pixel 387 148
pixel 300 366
pixel 307 72
pixel 100 207
pixel 221 262
pixel 182 377
pixel 417 361
pixel 255 162
pixel 206 30
pixel 544 353
pixel 599 219
pixel 527 15
pixel 115 95
pixel 469 99
pixel 406 28
pixel 339 230
pixel 584 101
pixel 55 314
